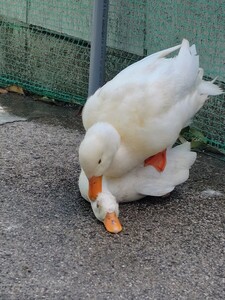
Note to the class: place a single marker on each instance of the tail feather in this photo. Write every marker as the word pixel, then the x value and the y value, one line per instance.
pixel 166 52
pixel 190 75
pixel 187 66
pixel 209 88
pixel 160 54
pixel 193 50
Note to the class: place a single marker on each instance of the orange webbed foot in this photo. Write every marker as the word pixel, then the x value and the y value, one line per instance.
pixel 158 161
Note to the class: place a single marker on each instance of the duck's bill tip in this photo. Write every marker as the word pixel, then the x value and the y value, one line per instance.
pixel 112 223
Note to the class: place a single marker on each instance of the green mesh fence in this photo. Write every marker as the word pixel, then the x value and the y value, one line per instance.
pixel 139 28
pixel 45 45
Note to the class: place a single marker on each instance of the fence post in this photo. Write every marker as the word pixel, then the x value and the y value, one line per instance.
pixel 98 45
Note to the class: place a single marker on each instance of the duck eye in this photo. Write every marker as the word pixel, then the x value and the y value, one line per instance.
pixel 99 161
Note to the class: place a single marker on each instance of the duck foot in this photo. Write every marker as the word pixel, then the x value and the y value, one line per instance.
pixel 158 161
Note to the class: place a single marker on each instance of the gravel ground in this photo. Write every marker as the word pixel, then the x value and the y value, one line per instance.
pixel 52 247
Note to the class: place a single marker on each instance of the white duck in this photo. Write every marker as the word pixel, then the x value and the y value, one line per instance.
pixel 138 183
pixel 140 113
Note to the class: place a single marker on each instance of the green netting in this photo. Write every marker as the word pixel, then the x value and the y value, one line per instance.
pixel 139 28
pixel 45 45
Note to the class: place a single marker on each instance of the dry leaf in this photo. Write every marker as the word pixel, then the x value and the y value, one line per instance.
pixel 3 91
pixel 15 89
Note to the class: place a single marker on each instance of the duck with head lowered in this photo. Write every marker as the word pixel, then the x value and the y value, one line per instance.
pixel 133 118
pixel 140 182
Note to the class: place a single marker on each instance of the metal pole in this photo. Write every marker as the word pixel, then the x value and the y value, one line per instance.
pixel 98 45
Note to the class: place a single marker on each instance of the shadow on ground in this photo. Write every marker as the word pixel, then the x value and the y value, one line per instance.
pixel 52 247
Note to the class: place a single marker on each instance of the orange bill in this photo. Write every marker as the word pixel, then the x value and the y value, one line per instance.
pixel 158 161
pixel 95 187
pixel 112 223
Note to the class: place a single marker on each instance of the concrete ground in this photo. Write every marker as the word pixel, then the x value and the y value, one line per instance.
pixel 52 247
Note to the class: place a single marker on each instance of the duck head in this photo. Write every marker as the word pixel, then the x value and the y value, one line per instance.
pixel 106 210
pixel 105 207
pixel 96 153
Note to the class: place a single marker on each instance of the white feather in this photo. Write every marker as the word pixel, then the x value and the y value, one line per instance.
pixel 141 181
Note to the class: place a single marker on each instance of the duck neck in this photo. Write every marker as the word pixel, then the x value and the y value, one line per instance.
pixel 122 163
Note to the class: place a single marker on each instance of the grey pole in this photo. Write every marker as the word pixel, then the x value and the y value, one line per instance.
pixel 98 45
